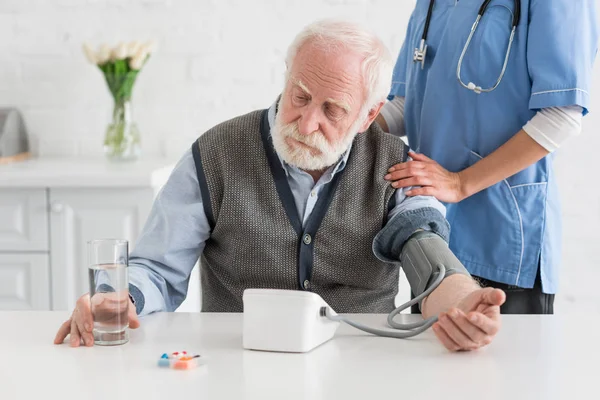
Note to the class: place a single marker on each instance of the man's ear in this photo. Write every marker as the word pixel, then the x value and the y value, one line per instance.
pixel 373 113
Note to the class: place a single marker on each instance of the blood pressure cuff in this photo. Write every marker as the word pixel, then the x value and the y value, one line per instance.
pixel 417 241
pixel 420 256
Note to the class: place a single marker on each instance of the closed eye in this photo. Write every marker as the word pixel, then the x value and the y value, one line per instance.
pixel 334 112
pixel 300 100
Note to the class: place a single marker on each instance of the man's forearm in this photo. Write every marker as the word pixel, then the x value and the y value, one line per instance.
pixel 450 292
pixel 148 288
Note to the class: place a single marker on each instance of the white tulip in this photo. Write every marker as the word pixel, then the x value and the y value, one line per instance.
pixel 103 54
pixel 90 54
pixel 113 53
pixel 121 51
pixel 136 62
pixel 133 47
pixel 142 52
pixel 150 46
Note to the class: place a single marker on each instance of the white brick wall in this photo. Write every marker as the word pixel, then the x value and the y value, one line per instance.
pixel 215 60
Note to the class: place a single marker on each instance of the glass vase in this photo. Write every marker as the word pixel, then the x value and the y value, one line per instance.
pixel 122 139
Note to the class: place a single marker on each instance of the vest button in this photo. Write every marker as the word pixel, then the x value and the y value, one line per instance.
pixel 307 239
pixel 306 284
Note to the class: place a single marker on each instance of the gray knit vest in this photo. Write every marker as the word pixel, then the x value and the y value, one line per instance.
pixel 257 239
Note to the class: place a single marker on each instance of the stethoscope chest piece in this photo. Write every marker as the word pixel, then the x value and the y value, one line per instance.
pixel 420 54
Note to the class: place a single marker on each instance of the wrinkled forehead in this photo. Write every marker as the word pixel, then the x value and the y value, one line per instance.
pixel 328 73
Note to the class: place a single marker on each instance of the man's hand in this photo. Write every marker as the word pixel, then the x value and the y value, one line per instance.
pixel 81 323
pixel 474 323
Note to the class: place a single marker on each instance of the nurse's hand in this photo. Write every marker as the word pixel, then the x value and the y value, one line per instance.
pixel 431 178
pixel 474 323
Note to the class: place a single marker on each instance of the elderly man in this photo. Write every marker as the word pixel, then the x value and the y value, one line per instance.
pixel 293 197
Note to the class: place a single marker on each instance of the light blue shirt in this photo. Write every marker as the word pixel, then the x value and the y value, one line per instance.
pixel 177 228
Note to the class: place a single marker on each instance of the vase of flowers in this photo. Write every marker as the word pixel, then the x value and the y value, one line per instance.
pixel 120 66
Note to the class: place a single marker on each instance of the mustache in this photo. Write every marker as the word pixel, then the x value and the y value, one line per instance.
pixel 316 140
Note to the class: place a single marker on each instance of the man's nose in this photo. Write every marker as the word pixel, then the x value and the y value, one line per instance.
pixel 309 121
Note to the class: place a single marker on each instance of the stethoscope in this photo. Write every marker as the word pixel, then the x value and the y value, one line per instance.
pixel 421 52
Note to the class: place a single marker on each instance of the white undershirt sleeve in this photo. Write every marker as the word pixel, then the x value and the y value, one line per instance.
pixel 393 113
pixel 551 127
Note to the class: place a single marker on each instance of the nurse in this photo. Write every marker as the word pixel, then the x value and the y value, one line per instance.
pixel 484 106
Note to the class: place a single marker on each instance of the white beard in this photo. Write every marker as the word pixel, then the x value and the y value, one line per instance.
pixel 301 157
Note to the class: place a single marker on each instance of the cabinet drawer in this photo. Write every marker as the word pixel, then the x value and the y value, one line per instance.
pixel 24 282
pixel 23 220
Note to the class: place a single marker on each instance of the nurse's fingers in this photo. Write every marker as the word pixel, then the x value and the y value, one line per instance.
pixel 409 165
pixel 419 157
pixel 406 173
pixel 425 191
pixel 414 181
pixel 444 338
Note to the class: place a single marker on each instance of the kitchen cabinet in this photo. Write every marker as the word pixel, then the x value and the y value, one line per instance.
pixel 50 208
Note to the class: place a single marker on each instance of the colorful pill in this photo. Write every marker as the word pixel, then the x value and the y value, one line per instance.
pixel 187 364
pixel 164 363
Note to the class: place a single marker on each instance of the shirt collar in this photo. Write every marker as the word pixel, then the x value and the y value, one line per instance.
pixel 334 169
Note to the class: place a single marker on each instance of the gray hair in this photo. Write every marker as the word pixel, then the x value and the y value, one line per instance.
pixel 333 35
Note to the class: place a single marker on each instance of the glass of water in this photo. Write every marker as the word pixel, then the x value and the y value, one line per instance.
pixel 109 290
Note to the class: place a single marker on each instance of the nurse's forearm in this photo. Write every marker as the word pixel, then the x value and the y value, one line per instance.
pixel 518 153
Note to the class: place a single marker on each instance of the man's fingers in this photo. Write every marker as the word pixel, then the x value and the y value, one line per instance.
pixel 63 331
pixel 488 325
pixel 87 319
pixel 84 320
pixel 495 297
pixel 458 336
pixel 134 322
pixel 444 338
pixel 83 303
pixel 472 331
pixel 75 337
pixel 80 321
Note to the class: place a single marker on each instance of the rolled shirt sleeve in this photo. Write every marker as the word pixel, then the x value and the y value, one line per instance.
pixel 409 215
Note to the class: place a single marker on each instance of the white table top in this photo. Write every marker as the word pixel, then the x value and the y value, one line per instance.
pixel 85 172
pixel 534 357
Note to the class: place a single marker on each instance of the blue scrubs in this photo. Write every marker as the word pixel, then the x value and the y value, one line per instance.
pixel 504 232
